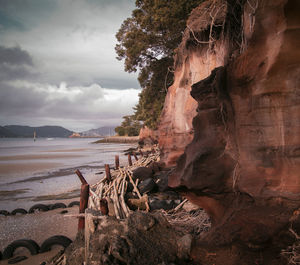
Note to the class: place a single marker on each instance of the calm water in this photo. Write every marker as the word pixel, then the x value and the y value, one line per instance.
pixel 30 170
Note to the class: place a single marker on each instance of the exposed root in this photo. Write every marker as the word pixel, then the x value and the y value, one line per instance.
pixel 292 253
pixel 194 222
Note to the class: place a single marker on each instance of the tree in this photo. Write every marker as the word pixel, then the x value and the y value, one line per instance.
pixel 146 41
pixel 120 130
pixel 129 126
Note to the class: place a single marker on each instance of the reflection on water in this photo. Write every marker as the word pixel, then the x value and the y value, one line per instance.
pixel 46 167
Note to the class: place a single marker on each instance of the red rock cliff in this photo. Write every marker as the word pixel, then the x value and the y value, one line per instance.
pixel 192 63
pixel 243 162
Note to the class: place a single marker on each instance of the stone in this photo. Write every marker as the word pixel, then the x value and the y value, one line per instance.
pixel 156 204
pixel 142 173
pixel 147 186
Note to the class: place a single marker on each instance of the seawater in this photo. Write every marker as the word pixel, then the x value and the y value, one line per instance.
pixel 32 170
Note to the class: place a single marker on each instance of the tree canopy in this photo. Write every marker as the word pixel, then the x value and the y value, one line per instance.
pixel 146 41
pixel 129 126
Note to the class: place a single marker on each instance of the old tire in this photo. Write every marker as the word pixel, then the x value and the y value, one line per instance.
pixel 71 204
pixel 17 259
pixel 39 207
pixel 18 210
pixel 4 212
pixel 31 245
pixel 55 240
pixel 58 205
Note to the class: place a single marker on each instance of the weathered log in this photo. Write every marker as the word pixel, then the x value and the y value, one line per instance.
pixel 84 198
pixel 82 179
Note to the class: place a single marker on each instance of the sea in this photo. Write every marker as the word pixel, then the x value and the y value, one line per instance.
pixel 43 171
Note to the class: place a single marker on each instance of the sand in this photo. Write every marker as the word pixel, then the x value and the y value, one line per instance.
pixel 39 156
pixel 39 227
pixel 18 168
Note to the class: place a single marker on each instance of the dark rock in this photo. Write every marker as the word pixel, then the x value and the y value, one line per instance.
pixel 155 167
pixel 147 185
pixel 162 181
pixel 142 173
pixel 129 187
pixel 156 204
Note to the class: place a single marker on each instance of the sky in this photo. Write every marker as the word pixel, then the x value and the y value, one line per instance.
pixel 58 65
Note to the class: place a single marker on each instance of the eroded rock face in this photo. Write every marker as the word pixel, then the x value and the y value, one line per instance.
pixel 243 163
pixel 192 64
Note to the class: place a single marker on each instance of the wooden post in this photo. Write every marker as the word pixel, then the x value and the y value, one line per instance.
pixel 135 157
pixel 84 198
pixel 107 172
pixel 129 160
pixel 104 207
pixel 142 154
pixel 117 162
pixel 82 179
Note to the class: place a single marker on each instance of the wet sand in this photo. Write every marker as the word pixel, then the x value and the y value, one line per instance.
pixel 18 168
pixel 39 156
pixel 38 227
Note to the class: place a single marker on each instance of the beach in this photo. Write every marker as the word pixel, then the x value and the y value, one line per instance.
pixel 38 227
pixel 43 170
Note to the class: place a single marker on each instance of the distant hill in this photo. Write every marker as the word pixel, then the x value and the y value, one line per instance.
pixel 102 131
pixel 5 132
pixel 27 131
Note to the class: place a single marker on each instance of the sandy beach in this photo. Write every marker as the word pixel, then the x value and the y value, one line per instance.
pixel 38 227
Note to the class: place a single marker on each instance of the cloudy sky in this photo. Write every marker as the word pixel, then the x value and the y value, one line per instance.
pixel 58 66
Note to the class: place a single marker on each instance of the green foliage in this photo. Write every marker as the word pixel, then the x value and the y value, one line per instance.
pixel 120 130
pixel 146 41
pixel 129 126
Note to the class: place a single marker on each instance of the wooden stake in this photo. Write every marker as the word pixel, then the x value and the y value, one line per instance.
pixel 117 162
pixel 129 160
pixel 107 172
pixel 82 179
pixel 84 198
pixel 136 159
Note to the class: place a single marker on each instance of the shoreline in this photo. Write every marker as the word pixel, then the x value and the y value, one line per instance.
pixel 118 139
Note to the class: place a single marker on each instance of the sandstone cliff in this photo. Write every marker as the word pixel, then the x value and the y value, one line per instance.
pixel 242 60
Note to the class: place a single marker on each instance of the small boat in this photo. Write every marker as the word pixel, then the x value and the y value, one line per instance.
pixel 50 139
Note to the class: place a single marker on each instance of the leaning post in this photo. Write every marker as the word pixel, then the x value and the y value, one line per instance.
pixel 84 198
pixel 129 160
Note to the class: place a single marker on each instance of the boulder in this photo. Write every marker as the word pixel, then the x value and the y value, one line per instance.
pixel 142 173
pixel 147 185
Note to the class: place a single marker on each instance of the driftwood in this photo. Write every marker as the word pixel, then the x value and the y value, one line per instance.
pixel 114 190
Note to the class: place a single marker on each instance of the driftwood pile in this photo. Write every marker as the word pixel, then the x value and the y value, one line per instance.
pixel 112 190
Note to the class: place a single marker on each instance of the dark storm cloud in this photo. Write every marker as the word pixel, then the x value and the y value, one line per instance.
pixel 58 66
pixel 15 64
pixel 14 56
